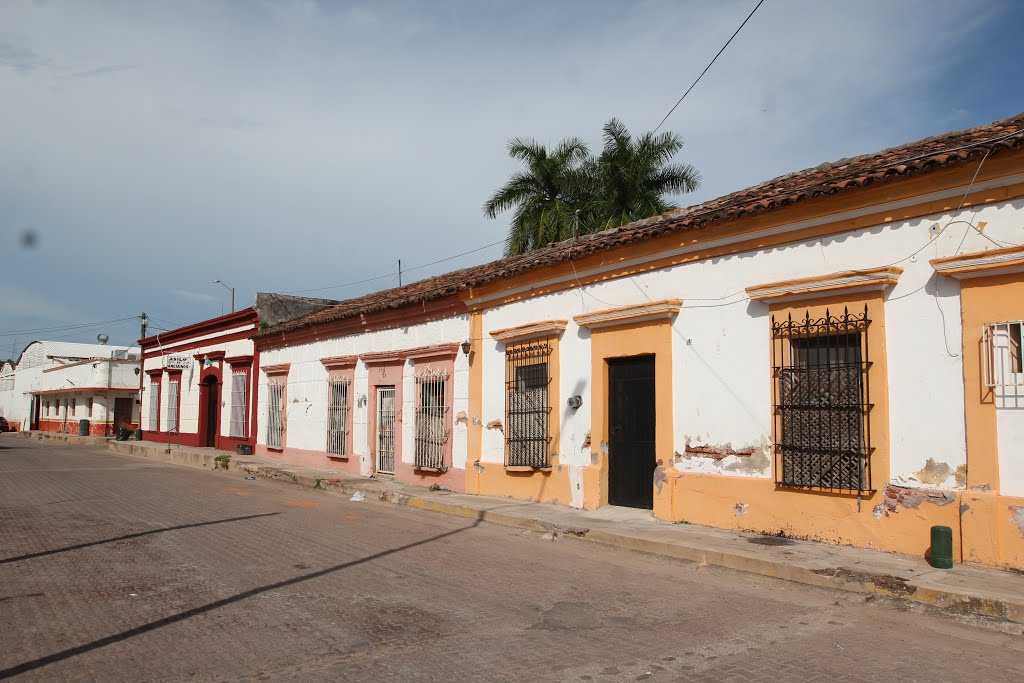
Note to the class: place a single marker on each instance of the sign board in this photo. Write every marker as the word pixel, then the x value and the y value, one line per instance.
pixel 178 363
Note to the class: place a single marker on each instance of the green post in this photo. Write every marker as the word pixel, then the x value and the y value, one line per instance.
pixel 83 428
pixel 942 547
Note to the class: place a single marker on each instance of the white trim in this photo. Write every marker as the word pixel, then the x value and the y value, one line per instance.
pixel 860 283
pixel 995 260
pixel 768 232
pixel 627 315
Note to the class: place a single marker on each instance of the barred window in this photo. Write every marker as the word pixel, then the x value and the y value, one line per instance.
pixel 74 407
pixel 154 406
pixel 239 403
pixel 431 419
pixel 172 404
pixel 275 414
pixel 337 416
pixel 1002 355
pixel 526 427
pixel 822 430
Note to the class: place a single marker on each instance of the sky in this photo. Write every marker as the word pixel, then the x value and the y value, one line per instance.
pixel 150 148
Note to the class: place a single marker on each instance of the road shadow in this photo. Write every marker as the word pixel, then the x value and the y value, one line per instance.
pixel 44 553
pixel 195 611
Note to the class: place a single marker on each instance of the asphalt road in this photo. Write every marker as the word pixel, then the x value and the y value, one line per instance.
pixel 115 568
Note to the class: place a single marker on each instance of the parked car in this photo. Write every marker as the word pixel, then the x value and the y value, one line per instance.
pixel 4 425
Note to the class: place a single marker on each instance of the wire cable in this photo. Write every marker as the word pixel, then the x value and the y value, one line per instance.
pixel 64 328
pixel 694 84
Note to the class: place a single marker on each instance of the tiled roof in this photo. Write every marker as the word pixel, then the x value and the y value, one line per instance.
pixel 826 179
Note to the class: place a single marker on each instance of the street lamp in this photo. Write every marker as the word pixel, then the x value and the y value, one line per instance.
pixel 231 289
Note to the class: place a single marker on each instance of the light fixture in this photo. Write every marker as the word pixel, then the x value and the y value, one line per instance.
pixel 229 288
pixel 575 402
pixel 467 346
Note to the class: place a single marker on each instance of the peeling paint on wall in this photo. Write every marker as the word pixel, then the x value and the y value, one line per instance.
pixel 496 424
pixel 586 442
pixel 604 447
pixel 740 509
pixel 752 459
pixel 460 419
pixel 961 476
pixel 933 473
pixel 1017 518
pixel 659 475
pixel 895 497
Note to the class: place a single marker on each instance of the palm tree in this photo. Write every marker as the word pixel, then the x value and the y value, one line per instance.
pixel 633 176
pixel 545 195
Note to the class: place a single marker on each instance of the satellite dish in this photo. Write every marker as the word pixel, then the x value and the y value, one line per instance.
pixel 102 338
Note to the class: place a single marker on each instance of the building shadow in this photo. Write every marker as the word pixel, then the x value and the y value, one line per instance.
pixel 69 548
pixel 196 611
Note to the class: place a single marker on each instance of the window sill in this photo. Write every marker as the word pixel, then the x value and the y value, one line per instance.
pixel 527 468
pixel 335 456
pixel 274 449
pixel 440 470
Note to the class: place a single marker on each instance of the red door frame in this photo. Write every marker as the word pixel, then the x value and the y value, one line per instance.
pixel 214 371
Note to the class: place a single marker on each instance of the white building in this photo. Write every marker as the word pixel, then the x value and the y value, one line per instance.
pixel 58 384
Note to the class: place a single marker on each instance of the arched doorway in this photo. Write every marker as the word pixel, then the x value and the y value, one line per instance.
pixel 209 411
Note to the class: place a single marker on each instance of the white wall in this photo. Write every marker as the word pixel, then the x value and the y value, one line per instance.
pixel 307 386
pixel 721 344
pixel 190 377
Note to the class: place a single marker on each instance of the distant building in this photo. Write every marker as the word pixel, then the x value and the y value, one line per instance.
pixel 199 386
pixel 54 385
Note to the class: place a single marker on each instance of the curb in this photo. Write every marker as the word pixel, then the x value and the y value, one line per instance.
pixel 72 439
pixel 959 601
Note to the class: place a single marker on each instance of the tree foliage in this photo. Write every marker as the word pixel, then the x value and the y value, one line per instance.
pixel 566 191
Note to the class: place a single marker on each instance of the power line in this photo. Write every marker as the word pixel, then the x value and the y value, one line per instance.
pixel 63 328
pixel 390 275
pixel 694 84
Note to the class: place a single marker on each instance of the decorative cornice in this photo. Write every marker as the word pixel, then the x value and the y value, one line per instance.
pixel 625 315
pixel 539 329
pixel 981 263
pixel 340 362
pixel 823 285
pixel 155 372
pixel 434 351
pixel 280 369
pixel 239 360
pixel 212 355
pixel 378 357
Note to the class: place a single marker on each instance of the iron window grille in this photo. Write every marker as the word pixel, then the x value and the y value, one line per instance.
pixel 822 406
pixel 172 405
pixel 1002 361
pixel 239 403
pixel 154 406
pixel 337 416
pixel 432 431
pixel 275 414
pixel 527 405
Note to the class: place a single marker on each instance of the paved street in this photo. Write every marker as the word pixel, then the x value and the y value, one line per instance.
pixel 116 568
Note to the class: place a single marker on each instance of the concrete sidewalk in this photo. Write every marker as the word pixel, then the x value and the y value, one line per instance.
pixel 964 589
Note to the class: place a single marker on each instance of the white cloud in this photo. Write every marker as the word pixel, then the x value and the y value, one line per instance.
pixel 292 145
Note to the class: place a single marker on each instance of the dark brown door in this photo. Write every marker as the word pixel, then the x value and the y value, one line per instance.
pixel 631 422
pixel 212 411
pixel 122 412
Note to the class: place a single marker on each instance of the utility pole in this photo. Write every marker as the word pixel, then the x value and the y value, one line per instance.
pixel 144 320
pixel 399 272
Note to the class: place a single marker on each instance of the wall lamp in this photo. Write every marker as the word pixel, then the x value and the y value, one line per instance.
pixel 467 346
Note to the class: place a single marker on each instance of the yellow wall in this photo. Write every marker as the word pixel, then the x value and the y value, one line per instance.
pixel 636 339
pixel 993 534
pixel 544 485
